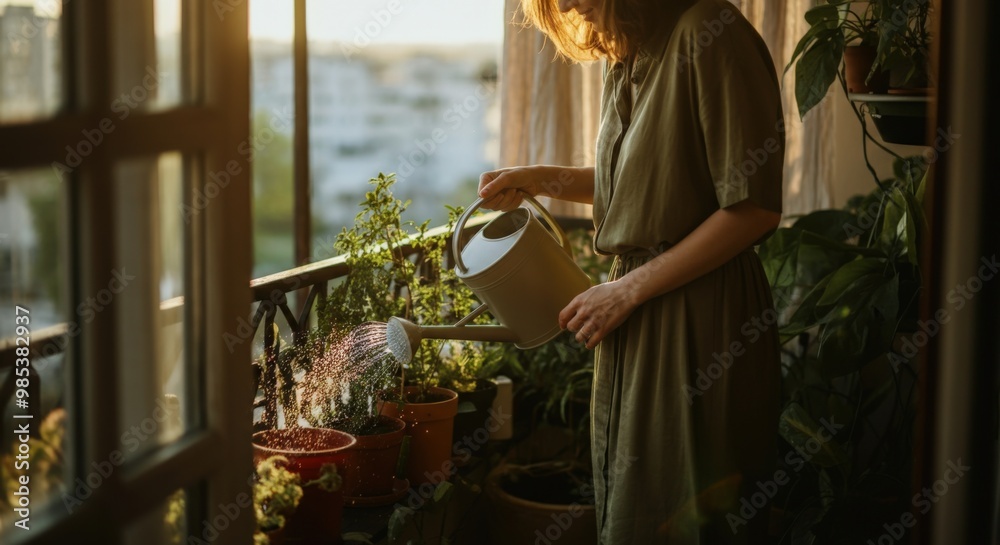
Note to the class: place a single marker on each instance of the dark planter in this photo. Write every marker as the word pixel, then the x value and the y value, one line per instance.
pixel 858 61
pixel 901 119
pixel 515 520
pixel 472 421
pixel 317 519
pixel 370 465
pixel 429 425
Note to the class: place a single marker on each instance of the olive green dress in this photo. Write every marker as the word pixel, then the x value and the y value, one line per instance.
pixel 686 392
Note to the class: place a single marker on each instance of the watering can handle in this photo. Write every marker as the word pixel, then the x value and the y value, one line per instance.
pixel 457 239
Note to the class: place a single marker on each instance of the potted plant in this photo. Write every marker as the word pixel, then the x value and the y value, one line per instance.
pixel 845 284
pixel 383 282
pixel 877 42
pixel 544 489
pixel 470 372
pixel 313 454
pixel 276 495
pixel 369 466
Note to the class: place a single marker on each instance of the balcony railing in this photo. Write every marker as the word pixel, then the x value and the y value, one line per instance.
pixel 270 296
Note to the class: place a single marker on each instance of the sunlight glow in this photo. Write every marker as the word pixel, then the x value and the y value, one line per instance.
pixel 451 22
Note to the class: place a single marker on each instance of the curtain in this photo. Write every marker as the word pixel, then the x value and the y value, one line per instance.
pixel 809 142
pixel 550 108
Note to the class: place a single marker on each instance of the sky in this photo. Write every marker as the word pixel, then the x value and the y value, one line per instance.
pixel 449 22
pixel 415 21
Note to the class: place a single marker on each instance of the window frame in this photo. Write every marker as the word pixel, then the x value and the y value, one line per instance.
pixel 213 458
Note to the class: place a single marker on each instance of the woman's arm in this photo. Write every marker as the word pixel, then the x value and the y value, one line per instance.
pixel 727 232
pixel 499 187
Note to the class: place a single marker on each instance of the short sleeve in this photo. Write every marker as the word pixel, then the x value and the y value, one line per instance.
pixel 739 111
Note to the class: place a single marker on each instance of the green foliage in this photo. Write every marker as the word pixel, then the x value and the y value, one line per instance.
pixel 845 284
pixel 851 274
pixel 46 219
pixel 329 480
pixel 276 493
pixel 396 268
pixel 428 522
pixel 46 461
pixel 897 29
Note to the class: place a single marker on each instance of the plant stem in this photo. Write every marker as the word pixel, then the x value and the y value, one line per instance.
pixel 864 129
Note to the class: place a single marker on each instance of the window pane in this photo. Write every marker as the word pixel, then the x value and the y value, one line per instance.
pixel 151 249
pixel 272 104
pixel 30 59
pixel 167 25
pixel 391 91
pixel 167 523
pixel 32 276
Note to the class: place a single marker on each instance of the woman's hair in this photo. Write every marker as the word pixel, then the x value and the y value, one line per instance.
pixel 627 24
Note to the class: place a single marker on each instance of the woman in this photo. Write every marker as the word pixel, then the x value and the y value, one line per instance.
pixel 687 179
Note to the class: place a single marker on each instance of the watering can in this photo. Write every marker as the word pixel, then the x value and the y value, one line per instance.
pixel 523 274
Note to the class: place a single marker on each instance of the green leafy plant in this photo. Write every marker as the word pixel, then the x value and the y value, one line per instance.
pixel 852 274
pixel 45 461
pixel 396 268
pixel 442 518
pixel 846 285
pixel 464 366
pixel 896 29
pixel 329 480
pixel 276 494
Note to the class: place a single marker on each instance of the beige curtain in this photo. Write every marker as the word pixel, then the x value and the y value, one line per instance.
pixel 809 142
pixel 550 108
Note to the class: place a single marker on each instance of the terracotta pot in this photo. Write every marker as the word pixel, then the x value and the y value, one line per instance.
pixel 430 427
pixel 473 414
pixel 858 61
pixel 518 521
pixel 370 467
pixel 318 516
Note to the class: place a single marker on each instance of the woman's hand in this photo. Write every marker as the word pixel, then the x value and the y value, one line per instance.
pixel 500 188
pixel 598 311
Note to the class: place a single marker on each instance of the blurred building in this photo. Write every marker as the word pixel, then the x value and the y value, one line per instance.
pixel 429 115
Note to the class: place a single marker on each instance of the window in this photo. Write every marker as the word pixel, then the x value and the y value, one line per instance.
pixel 387 86
pixel 124 261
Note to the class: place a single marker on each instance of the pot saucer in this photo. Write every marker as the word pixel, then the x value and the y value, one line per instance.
pixel 399 489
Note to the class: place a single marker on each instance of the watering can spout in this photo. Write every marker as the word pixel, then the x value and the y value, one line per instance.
pixel 404 336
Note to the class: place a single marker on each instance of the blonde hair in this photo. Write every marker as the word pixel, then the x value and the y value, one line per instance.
pixel 627 24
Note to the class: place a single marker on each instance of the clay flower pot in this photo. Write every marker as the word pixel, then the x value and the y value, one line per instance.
pixel 370 465
pixel 318 517
pixel 858 61
pixel 429 426
pixel 515 520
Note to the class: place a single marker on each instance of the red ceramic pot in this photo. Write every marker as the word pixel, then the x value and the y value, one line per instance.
pixel 370 467
pixel 318 517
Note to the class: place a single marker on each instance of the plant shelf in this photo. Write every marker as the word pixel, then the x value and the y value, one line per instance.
pixel 900 119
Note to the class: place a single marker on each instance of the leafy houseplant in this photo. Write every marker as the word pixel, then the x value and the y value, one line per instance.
pixel 396 268
pixel 846 285
pixel 384 280
pixel 276 494
pixel 892 34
